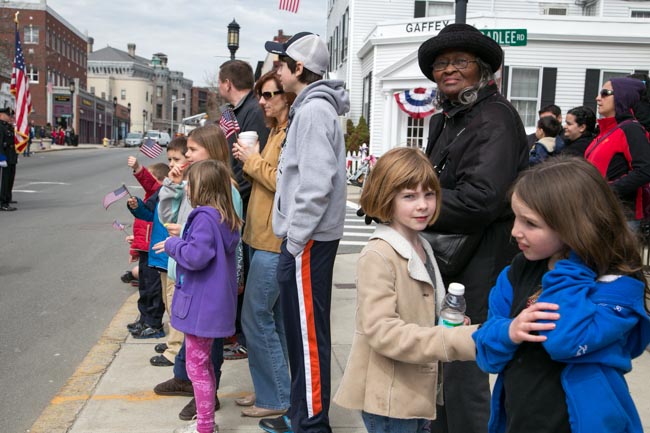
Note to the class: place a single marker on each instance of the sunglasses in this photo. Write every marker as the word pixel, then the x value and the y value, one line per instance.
pixel 606 92
pixel 269 95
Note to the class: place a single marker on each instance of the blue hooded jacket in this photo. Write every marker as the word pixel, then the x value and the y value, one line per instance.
pixel 603 325
pixel 158 233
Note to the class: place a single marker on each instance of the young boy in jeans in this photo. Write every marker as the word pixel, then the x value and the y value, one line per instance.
pixel 308 215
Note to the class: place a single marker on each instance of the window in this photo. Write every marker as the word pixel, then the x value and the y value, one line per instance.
pixel 183 113
pixel 159 111
pixel 123 94
pixel 146 98
pixel 174 94
pixel 608 75
pixel 175 113
pixel 92 89
pixel 335 48
pixel 367 92
pixel 524 93
pixel 344 35
pixel 32 73
pixel 640 14
pixel 414 132
pixel 158 91
pixel 440 7
pixel 31 35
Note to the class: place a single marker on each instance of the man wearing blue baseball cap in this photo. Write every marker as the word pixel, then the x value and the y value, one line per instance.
pixel 308 215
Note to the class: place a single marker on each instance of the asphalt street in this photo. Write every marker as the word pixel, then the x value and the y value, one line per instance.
pixel 60 262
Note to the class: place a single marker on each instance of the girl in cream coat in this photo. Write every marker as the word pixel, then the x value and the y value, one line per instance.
pixel 394 369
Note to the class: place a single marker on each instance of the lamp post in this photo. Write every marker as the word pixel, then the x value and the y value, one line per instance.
pixel 461 11
pixel 144 117
pixel 71 86
pixel 172 114
pixel 128 125
pixel 114 120
pixel 233 38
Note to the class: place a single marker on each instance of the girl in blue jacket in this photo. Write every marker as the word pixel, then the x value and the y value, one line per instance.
pixel 568 315
pixel 205 299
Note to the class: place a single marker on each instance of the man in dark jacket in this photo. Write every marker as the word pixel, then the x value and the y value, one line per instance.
pixel 8 159
pixel 236 81
pixel 478 145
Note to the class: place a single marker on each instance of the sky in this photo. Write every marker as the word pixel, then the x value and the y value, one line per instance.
pixel 193 34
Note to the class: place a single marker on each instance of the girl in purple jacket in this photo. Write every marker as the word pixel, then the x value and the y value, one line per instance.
pixel 205 300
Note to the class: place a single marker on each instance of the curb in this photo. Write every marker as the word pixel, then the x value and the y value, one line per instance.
pixel 64 408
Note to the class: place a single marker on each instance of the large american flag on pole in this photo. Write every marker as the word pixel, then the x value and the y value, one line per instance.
pixel 228 123
pixel 20 89
pixel 289 5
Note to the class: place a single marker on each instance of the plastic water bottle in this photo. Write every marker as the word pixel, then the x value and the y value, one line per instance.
pixel 452 312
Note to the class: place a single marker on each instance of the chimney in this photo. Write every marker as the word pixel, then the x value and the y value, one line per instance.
pixel 91 41
pixel 131 48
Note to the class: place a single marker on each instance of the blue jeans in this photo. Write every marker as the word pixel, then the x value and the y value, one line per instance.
pixel 264 329
pixel 383 424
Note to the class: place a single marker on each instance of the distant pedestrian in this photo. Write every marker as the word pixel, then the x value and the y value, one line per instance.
pixel 8 159
pixel 579 131
pixel 205 299
pixel 308 215
pixel 32 136
pixel 393 372
pixel 548 140
pixel 565 372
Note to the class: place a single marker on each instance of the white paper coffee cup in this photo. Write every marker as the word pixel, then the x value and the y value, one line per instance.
pixel 249 138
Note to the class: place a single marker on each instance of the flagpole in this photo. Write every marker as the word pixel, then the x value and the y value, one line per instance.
pixel 127 191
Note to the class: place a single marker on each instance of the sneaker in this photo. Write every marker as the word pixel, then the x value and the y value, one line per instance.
pixel 175 386
pixel 281 424
pixel 191 428
pixel 149 332
pixel 236 351
pixel 135 326
pixel 189 411
pixel 160 347
pixel 160 361
pixel 127 277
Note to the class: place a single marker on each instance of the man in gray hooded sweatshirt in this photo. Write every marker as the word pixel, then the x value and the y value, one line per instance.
pixel 308 214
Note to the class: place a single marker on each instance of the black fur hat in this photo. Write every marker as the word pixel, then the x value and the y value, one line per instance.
pixel 462 37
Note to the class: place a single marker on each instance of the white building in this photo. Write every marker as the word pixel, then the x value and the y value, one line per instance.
pixel 573 47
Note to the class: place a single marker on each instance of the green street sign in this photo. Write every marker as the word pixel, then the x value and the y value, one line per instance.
pixel 508 37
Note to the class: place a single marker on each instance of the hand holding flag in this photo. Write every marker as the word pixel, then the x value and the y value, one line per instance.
pixel 114 196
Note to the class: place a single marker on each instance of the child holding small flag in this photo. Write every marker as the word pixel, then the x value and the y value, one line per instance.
pixel 150 303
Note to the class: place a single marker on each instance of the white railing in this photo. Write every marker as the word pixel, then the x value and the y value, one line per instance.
pixel 352 162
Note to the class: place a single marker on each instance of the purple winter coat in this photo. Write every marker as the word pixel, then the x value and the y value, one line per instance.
pixel 205 300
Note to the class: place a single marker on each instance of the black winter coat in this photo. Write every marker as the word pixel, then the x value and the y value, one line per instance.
pixel 578 147
pixel 487 149
pixel 7 142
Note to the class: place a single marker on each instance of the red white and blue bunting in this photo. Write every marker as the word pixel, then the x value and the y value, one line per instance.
pixel 417 103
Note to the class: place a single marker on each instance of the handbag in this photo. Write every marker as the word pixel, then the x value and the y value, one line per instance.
pixel 453 251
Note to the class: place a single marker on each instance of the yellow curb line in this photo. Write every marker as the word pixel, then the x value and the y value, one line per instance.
pixel 64 408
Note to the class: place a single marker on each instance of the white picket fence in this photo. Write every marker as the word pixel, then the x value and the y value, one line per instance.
pixel 352 162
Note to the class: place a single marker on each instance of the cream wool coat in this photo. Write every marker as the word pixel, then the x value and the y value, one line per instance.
pixel 393 365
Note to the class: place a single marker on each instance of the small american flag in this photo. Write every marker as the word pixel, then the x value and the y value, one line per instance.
pixel 20 89
pixel 228 123
pixel 289 5
pixel 151 148
pixel 114 196
pixel 118 225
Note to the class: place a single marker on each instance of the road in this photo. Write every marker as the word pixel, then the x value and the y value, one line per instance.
pixel 60 262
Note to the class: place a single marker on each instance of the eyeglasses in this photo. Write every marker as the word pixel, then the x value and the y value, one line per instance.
pixel 459 64
pixel 606 92
pixel 269 95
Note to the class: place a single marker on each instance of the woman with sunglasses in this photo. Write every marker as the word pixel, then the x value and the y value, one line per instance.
pixel 621 151
pixel 261 312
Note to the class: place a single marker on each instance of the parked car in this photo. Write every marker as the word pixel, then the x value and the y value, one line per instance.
pixel 161 137
pixel 133 139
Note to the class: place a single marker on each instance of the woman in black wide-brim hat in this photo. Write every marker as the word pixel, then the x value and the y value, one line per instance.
pixel 478 144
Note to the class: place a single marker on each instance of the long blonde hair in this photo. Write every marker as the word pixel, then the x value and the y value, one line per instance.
pixel 210 185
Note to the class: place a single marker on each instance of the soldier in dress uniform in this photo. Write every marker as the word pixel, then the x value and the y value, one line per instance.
pixel 8 158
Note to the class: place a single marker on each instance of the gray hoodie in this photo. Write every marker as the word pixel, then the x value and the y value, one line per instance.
pixel 311 183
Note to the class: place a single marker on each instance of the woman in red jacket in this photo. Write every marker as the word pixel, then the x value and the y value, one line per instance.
pixel 621 151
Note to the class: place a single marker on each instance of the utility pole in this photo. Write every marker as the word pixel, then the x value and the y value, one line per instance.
pixel 461 11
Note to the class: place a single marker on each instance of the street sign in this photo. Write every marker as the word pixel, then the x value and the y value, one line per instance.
pixel 508 37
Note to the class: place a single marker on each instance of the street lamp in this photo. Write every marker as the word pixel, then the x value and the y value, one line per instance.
pixel 71 86
pixel 172 114
pixel 233 38
pixel 128 125
pixel 114 120
pixel 144 116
